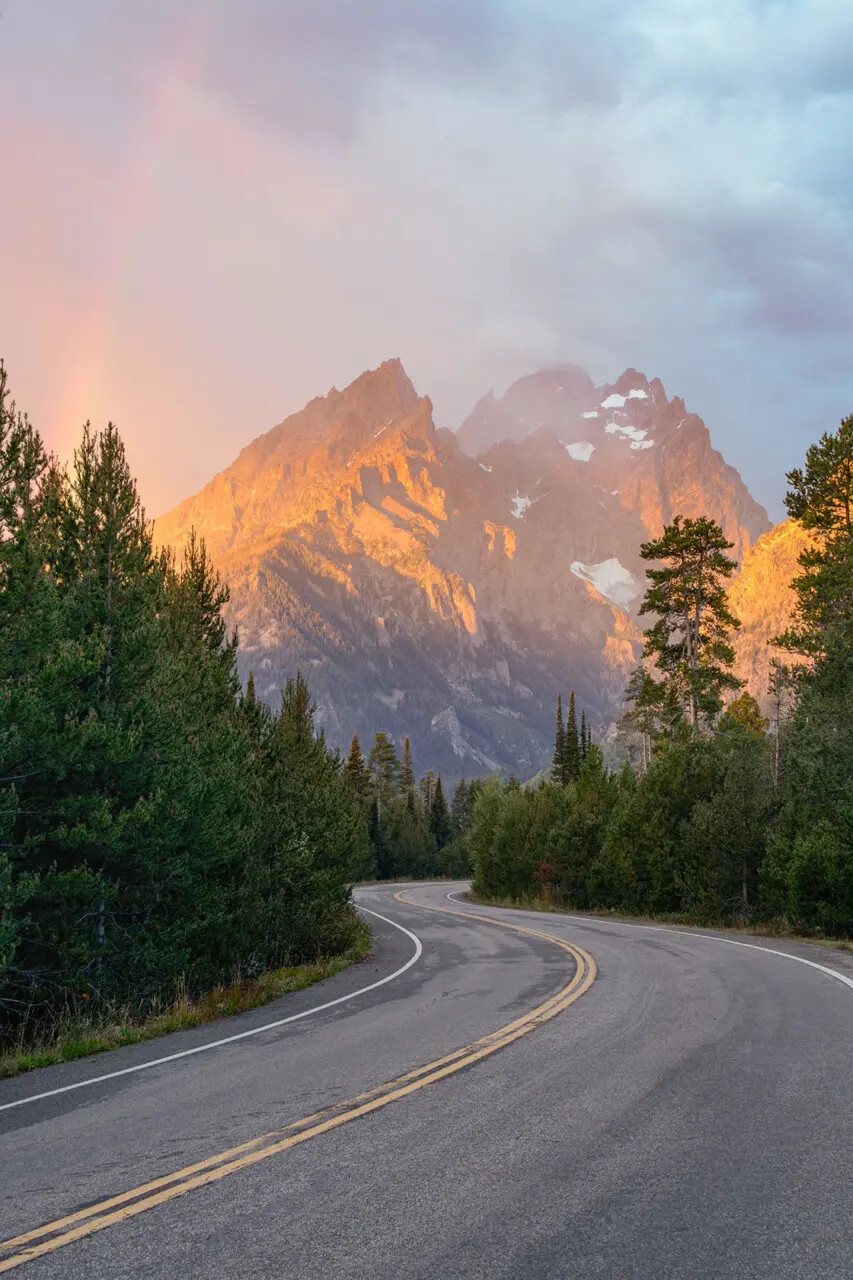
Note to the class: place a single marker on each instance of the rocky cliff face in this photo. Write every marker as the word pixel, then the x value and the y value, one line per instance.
pixel 762 598
pixel 448 596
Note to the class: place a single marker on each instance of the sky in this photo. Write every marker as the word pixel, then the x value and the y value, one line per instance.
pixel 214 210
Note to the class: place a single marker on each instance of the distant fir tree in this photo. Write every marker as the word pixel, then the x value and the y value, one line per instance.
pixel 460 809
pixel 584 743
pixel 384 767
pixel 779 688
pixel 383 853
pixel 426 786
pixel 356 772
pixel 558 765
pixel 439 817
pixel 296 718
pixel 572 748
pixel 407 777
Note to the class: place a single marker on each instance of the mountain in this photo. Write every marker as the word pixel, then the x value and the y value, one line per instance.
pixel 447 596
pixel 656 454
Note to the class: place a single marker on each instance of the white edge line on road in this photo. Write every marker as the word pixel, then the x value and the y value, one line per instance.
pixel 242 1035
pixel 689 933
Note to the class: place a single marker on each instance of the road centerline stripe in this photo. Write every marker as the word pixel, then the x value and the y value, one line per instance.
pixel 591 920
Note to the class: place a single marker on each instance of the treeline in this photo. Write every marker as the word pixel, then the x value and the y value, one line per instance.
pixel 720 815
pixel 413 830
pixel 158 827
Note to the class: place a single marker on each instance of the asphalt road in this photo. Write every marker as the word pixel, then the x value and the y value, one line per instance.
pixel 686 1114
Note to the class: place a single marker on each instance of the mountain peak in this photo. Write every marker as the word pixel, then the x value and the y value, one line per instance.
pixel 273 479
pixel 631 380
pixel 549 398
pixel 386 392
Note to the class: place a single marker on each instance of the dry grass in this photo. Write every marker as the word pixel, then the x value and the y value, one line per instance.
pixel 366 884
pixel 78 1038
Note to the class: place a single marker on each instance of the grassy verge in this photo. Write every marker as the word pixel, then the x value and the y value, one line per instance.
pixel 366 884
pixel 766 929
pixel 79 1038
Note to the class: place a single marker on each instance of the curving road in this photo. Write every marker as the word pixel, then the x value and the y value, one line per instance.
pixel 684 1111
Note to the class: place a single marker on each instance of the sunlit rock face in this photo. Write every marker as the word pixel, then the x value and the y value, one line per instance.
pixel 762 598
pixel 446 596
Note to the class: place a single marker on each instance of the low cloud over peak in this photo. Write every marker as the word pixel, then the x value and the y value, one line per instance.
pixel 277 195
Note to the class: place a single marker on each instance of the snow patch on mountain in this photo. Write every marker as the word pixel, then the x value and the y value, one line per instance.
pixel 590 413
pixel 613 401
pixel 485 468
pixel 581 450
pixel 611 579
pixel 520 503
pixel 625 429
pixel 637 394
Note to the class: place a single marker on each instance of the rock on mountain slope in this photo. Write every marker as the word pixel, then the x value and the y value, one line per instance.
pixel 431 593
pixel 762 598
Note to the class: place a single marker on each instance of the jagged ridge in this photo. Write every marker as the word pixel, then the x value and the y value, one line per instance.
pixel 449 597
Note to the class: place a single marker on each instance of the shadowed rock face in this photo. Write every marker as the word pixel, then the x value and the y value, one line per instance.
pixel 449 597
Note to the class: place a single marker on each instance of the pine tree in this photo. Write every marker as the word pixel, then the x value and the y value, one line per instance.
pixel 407 778
pixel 583 736
pixel 439 817
pixel 296 717
pixel 572 749
pixel 253 716
pixel 558 765
pixel 808 874
pixel 384 768
pixel 110 540
pixel 690 640
pixel 779 687
pixel 426 786
pixel 461 808
pixel 820 498
pixel 356 771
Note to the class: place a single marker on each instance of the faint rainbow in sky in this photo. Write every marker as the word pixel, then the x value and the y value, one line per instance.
pixel 80 395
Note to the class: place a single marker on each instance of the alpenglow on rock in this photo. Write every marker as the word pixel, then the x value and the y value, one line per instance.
pixel 450 597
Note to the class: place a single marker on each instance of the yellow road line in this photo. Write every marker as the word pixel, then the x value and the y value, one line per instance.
pixel 106 1213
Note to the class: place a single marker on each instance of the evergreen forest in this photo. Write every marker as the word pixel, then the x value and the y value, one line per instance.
pixel 162 830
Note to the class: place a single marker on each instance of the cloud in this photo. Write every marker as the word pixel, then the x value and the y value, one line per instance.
pixel 279 194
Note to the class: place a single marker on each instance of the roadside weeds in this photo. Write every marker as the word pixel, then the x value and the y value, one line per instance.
pixel 79 1037
pixel 780 929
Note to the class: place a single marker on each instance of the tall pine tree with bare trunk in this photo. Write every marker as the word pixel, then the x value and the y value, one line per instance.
pixel 689 641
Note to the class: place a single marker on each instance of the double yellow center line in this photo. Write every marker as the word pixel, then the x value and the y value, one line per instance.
pixel 106 1213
